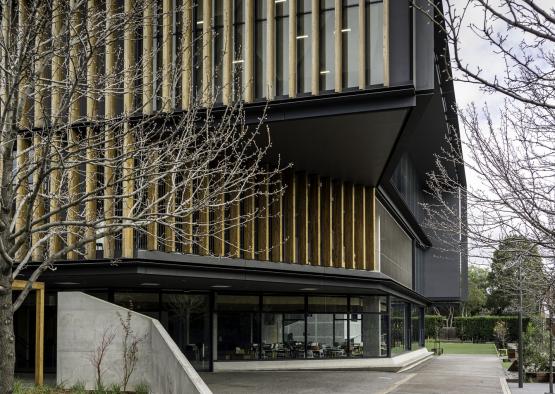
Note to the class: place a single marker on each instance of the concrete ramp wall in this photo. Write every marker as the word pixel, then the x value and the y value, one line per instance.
pixel 84 320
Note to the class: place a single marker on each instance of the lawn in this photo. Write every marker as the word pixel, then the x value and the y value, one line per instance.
pixel 464 347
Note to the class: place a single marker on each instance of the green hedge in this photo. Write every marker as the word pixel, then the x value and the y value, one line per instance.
pixel 432 324
pixel 480 328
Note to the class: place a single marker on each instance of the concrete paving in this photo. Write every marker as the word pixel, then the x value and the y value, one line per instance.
pixel 529 388
pixel 451 374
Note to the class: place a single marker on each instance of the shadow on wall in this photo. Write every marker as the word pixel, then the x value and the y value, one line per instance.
pixel 100 341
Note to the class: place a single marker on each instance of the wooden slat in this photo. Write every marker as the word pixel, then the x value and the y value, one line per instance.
pixel 370 228
pixel 360 227
pixel 128 184
pixel 21 194
pixel 315 48
pixel 314 215
pixel 302 191
pixel 362 44
pixel 207 52
pixel 349 239
pixel 39 336
pixel 338 224
pixel 386 42
pixel 228 53
pixel 169 228
pixel 327 220
pixel 249 51
pixel 290 246
pixel 219 223
pixel 271 49
pixel 203 218
pixel 264 222
pixel 55 242
pixel 187 54
pixel 92 112
pixel 235 229
pixel 38 207
pixel 167 9
pixel 109 112
pixel 187 202
pixel 277 223
pixel 147 58
pixel 292 48
pixel 152 204
pixel 338 46
pixel 250 227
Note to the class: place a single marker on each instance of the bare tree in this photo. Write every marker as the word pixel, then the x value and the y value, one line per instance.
pixel 130 348
pixel 509 152
pixel 99 147
pixel 97 357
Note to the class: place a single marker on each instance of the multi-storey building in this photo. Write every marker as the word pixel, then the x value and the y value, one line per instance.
pixel 343 267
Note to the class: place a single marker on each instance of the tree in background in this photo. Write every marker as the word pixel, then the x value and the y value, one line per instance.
pixel 477 291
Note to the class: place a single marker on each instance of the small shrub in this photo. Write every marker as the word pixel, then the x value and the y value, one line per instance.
pixel 114 389
pixel 78 388
pixel 142 388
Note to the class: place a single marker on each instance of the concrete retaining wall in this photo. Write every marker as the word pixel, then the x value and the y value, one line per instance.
pixel 82 322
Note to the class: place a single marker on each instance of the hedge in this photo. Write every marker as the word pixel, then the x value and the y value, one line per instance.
pixel 480 328
pixel 432 324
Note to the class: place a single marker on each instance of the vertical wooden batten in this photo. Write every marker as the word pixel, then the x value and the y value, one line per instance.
pixel 271 49
pixel 187 202
pixel 167 43
pixel 128 183
pixel 152 203
pixel 290 218
pixel 250 227
pixel 338 52
pixel 204 217
pixel 315 49
pixel 55 242
pixel 303 219
pixel 187 54
pixel 360 227
pixel 235 228
pixel 219 220
pixel 249 51
pixel 92 112
pixel 293 48
pixel 327 223
pixel 338 221
pixel 314 215
pixel 147 58
pixel 228 53
pixel 264 221
pixel 206 52
pixel 72 133
pixel 109 135
pixel 362 44
pixel 169 202
pixel 277 223
pixel 349 240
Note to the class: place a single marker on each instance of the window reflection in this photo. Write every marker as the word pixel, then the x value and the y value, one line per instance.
pixel 374 42
pixel 349 35
pixel 304 46
pixel 238 60
pixel 327 45
pixel 282 48
pixel 261 85
pixel 398 326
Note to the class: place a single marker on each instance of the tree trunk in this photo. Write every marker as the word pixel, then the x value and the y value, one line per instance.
pixel 7 338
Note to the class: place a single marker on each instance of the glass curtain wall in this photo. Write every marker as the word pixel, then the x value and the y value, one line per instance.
pixel 416 327
pixel 349 35
pixel 327 45
pixel 398 326
pixel 218 49
pixel 304 46
pixel 260 37
pixel 197 48
pixel 282 328
pixel 282 48
pixel 327 327
pixel 374 42
pixel 368 335
pixel 238 61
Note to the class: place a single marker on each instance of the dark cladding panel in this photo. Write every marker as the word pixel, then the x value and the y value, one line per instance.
pixel 424 45
pixel 400 58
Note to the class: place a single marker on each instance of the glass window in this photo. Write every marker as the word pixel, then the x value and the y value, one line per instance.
pixel 327 304
pixel 282 48
pixel 327 335
pixel 238 61
pixel 327 45
pixel 349 34
pixel 398 326
pixel 416 327
pixel 304 46
pixel 283 304
pixel 231 302
pixel 260 36
pixel 186 317
pixel 282 335
pixel 394 247
pixel 197 48
pixel 238 335
pixel 374 42
pixel 372 304
pixel 145 303
pixel 368 335
pixel 218 49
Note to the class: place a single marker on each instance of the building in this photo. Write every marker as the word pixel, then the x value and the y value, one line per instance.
pixel 343 267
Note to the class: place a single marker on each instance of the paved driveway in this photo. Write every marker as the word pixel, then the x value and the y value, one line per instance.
pixel 451 374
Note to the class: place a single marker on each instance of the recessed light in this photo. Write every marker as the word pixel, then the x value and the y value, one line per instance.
pixel 325 72
pixel 67 283
pixel 308 289
pixel 220 286
pixel 346 30
pixel 303 36
pixel 150 284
